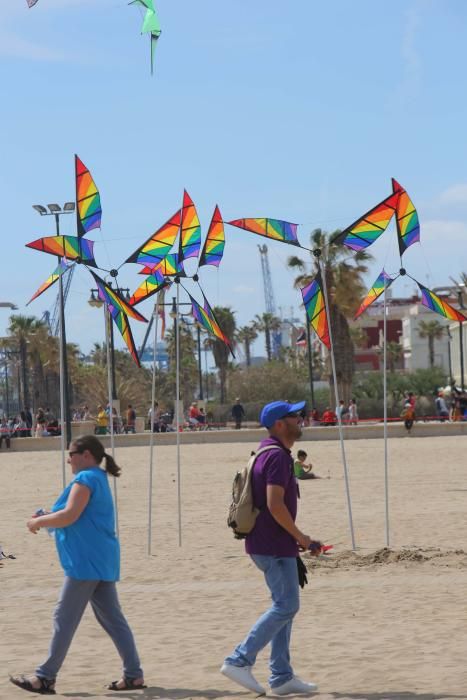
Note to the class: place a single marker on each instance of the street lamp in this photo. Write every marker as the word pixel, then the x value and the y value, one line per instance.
pixel 56 211
pixel 95 301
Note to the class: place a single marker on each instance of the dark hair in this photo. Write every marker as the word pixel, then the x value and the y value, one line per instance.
pixel 96 448
pixel 301 453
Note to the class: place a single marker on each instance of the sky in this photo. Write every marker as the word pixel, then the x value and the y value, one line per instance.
pixel 301 111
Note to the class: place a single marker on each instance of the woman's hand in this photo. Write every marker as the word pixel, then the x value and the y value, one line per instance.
pixel 33 525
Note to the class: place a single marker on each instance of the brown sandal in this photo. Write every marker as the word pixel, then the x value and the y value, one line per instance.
pixel 129 685
pixel 47 687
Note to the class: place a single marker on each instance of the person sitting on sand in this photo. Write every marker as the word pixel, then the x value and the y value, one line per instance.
pixel 302 470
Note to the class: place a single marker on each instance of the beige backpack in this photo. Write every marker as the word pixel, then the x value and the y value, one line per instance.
pixel 242 511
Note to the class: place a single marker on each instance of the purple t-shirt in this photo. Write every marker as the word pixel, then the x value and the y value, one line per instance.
pixel 273 467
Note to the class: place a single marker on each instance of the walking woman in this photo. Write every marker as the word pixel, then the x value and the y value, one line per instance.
pixel 89 552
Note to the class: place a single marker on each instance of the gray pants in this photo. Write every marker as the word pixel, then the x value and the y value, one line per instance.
pixel 74 597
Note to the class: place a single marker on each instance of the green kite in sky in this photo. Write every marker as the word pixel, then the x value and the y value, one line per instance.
pixel 150 25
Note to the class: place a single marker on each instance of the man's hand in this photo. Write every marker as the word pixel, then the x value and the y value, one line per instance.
pixel 304 542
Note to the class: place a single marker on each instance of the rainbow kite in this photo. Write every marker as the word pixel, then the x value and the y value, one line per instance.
pixel 119 309
pixel 150 26
pixel 408 226
pixel 88 200
pixel 369 227
pixel 433 302
pixel 159 244
pixel 56 274
pixel 274 229
pixel 169 266
pixel 78 249
pixel 313 299
pixel 382 282
pixel 214 244
pixel 205 317
pixel 190 231
pixel 152 284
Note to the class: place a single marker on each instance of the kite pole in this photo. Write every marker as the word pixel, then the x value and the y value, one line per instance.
pixel 385 420
pixel 177 408
pixel 108 321
pixel 317 254
pixel 151 424
pixel 62 383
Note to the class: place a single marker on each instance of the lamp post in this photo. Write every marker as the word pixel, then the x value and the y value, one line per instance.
pixel 310 359
pixel 96 302
pixel 56 211
pixel 198 344
pixel 449 355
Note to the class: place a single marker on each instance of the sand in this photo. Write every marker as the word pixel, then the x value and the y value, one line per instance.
pixel 373 624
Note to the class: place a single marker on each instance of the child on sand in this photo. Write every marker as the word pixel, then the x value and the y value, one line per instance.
pixel 301 469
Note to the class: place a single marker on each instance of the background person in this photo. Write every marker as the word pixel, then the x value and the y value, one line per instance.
pixel 273 546
pixel 302 470
pixel 84 522
pixel 238 413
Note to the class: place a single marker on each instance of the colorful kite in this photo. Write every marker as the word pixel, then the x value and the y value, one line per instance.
pixel 275 229
pixel 56 274
pixel 78 249
pixel 190 231
pixel 152 284
pixel 433 302
pixel 408 226
pixel 214 244
pixel 150 26
pixel 88 200
pixel 119 309
pixel 369 227
pixel 382 282
pixel 169 266
pixel 159 244
pixel 205 317
pixel 313 299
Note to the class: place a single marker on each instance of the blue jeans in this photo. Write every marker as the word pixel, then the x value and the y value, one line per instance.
pixel 275 626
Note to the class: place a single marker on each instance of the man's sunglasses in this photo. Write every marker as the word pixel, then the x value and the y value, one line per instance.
pixel 74 452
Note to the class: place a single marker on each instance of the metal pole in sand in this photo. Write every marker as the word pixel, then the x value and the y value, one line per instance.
pixel 108 321
pixel 385 421
pixel 151 424
pixel 339 418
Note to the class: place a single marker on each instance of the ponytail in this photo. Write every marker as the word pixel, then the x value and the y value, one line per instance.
pixel 110 465
pixel 96 448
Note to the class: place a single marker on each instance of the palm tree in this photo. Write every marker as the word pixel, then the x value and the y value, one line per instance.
pixel 24 331
pixel 267 323
pixel 344 281
pixel 226 320
pixel 246 335
pixel 433 330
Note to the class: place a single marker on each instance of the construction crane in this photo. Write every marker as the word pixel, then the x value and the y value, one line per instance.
pixel 269 296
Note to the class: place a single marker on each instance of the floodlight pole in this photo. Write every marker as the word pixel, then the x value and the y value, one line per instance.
pixel 66 407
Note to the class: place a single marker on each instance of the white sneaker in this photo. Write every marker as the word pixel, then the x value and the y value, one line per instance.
pixel 294 687
pixel 243 676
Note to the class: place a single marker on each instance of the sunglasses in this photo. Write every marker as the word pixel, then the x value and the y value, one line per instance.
pixel 74 452
pixel 293 415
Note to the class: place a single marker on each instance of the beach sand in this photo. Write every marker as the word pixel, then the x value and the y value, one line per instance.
pixel 373 625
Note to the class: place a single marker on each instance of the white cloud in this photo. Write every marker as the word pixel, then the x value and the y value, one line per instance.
pixel 457 194
pixel 443 232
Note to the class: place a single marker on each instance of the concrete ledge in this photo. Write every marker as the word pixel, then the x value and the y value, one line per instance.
pixel 355 432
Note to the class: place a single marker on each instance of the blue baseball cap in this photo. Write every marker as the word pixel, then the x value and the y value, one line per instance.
pixel 277 410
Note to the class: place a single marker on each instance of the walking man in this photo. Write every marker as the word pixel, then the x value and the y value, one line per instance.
pixel 273 545
pixel 238 413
